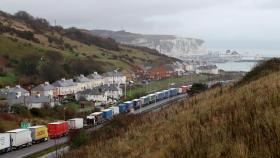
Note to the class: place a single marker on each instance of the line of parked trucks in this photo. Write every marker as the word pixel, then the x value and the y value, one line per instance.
pixel 18 138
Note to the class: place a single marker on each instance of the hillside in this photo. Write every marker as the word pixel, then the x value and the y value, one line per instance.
pixel 166 44
pixel 32 51
pixel 232 121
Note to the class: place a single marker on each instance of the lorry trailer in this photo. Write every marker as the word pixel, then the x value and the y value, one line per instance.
pixel 20 138
pixel 5 143
pixel 76 123
pixel 39 134
pixel 58 129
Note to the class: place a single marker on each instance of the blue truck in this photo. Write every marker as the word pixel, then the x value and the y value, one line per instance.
pixel 107 114
pixel 173 92
pixel 122 108
pixel 159 95
pixel 166 94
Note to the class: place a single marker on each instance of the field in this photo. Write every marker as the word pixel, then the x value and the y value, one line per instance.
pixel 137 91
pixel 233 121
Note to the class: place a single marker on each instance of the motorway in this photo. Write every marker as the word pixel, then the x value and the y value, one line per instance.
pixel 42 146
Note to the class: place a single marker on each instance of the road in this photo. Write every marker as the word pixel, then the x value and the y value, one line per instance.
pixel 34 148
pixel 42 146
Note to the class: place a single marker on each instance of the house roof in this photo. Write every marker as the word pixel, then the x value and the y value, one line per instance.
pixel 95 76
pixel 17 89
pixel 12 99
pixel 64 83
pixel 114 73
pixel 207 67
pixel 94 91
pixel 44 87
pixel 82 79
pixel 111 87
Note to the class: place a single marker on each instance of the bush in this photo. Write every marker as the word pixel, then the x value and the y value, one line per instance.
pixel 197 88
pixel 19 109
pixel 79 138
pixel 37 112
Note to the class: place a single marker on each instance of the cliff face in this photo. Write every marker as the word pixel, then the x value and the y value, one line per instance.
pixel 166 44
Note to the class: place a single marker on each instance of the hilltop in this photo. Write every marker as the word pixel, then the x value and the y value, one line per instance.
pixel 239 120
pixel 32 51
pixel 167 44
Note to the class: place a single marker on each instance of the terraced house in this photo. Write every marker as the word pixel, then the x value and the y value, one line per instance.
pixel 45 89
pixel 66 87
pixel 96 79
pixel 83 83
pixel 114 77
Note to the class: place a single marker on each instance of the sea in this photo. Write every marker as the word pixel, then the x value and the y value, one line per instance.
pixel 245 66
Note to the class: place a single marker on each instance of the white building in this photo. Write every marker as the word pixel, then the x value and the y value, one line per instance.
pixel 95 94
pixel 96 79
pixel 45 89
pixel 208 69
pixel 83 83
pixel 66 87
pixel 114 77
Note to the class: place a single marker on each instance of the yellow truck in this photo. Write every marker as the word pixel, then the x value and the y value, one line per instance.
pixel 39 134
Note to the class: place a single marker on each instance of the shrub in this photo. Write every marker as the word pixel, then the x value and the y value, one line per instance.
pixel 197 88
pixel 79 138
pixel 19 109
pixel 37 112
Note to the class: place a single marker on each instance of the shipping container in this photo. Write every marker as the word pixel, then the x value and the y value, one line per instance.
pixel 39 134
pixel 116 110
pixel 179 90
pixel 184 89
pixel 20 138
pixel 173 92
pixel 58 129
pixel 107 114
pixel 122 108
pixel 136 103
pixel 98 116
pixel 5 142
pixel 145 100
pixel 159 96
pixel 76 123
pixel 166 94
pixel 91 121
pixel 152 98
pixel 129 105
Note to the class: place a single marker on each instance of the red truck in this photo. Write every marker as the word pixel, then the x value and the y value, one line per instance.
pixel 58 129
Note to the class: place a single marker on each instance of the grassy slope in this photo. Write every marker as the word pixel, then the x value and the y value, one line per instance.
pixel 223 122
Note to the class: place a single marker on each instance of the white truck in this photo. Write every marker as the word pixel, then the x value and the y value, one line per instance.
pixel 20 138
pixel 115 109
pixel 5 142
pixel 76 123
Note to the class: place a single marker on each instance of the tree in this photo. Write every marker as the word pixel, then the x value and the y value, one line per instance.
pixel 54 56
pixel 28 64
pixel 197 88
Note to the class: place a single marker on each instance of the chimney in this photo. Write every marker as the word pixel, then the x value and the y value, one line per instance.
pixel 63 79
pixel 47 83
pixel 95 73
pixel 82 75
pixel 17 86
pixel 38 95
pixel 7 87
pixel 18 94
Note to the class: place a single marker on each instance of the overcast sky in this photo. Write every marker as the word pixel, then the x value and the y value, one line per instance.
pixel 221 23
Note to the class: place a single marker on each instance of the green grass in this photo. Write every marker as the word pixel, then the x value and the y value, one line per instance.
pixel 135 92
pixel 10 78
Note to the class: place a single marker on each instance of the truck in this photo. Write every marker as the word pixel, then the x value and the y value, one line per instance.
pixel 91 120
pixel 184 89
pixel 98 117
pixel 76 123
pixel 173 92
pixel 107 114
pixel 5 143
pixel 179 90
pixel 122 108
pixel 129 105
pixel 136 103
pixel 116 110
pixel 152 98
pixel 58 129
pixel 159 96
pixel 145 100
pixel 39 134
pixel 20 138
pixel 166 94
